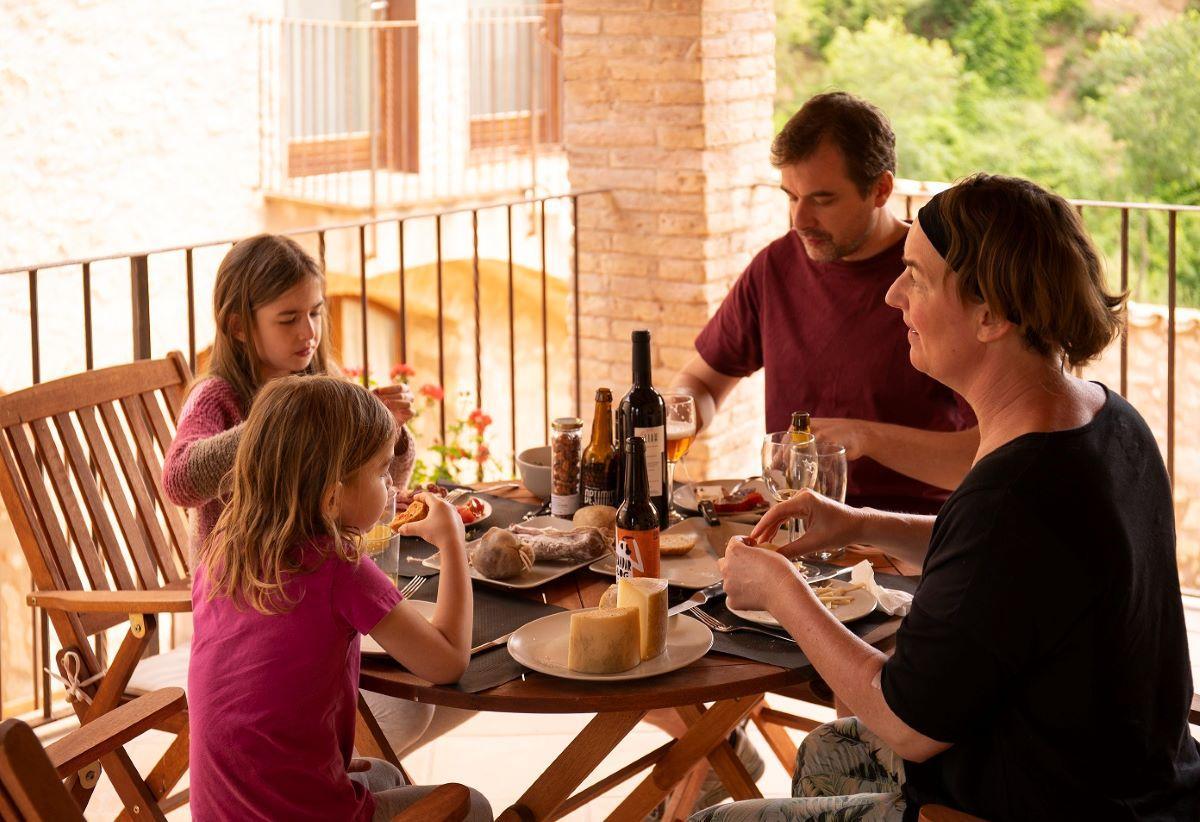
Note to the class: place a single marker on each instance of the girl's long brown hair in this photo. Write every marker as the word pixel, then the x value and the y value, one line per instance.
pixel 304 435
pixel 256 271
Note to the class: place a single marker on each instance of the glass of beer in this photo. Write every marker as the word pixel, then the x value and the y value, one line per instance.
pixel 789 466
pixel 681 433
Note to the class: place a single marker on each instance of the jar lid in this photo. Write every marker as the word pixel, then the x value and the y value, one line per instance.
pixel 567 423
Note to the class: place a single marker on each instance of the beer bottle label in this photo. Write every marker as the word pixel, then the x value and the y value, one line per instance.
pixel 564 505
pixel 656 447
pixel 637 553
pixel 600 496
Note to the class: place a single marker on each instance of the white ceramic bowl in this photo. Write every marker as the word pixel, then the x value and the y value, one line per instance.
pixel 534 465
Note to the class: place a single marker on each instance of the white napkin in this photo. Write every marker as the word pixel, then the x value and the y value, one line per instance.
pixel 891 602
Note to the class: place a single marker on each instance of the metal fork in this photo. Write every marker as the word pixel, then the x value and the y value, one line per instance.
pixel 412 586
pixel 722 628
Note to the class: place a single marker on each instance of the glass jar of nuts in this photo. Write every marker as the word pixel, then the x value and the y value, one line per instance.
pixel 566 456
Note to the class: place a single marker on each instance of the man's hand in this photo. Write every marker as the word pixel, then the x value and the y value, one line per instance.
pixel 853 435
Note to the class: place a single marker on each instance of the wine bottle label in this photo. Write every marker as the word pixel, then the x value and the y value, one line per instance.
pixel 564 505
pixel 656 449
pixel 637 553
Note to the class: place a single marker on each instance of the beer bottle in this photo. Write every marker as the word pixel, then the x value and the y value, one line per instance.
pixel 800 428
pixel 643 413
pixel 601 476
pixel 637 518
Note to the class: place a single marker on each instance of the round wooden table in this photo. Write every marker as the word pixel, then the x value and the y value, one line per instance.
pixel 733 685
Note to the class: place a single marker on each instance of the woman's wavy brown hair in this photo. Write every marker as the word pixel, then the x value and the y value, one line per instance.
pixel 304 435
pixel 1024 251
pixel 256 271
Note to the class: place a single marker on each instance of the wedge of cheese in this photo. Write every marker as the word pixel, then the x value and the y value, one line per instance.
pixel 649 596
pixel 609 598
pixel 604 641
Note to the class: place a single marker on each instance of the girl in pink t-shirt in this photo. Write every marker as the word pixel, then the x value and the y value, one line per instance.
pixel 280 597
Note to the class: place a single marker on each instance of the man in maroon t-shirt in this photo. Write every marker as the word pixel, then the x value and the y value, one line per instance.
pixel 810 310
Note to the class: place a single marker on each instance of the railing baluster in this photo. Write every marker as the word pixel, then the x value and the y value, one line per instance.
pixel 441 327
pixel 1171 217
pixel 88 349
pixel 545 336
pixel 1125 289
pixel 512 344
pixel 321 249
pixel 403 304
pixel 362 303
pixel 191 306
pixel 478 322
pixel 575 299
pixel 139 281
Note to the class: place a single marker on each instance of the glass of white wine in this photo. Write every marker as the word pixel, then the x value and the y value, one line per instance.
pixel 789 463
pixel 831 483
pixel 681 433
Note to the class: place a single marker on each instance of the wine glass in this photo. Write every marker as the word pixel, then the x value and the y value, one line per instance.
pixel 681 432
pixel 831 483
pixel 789 462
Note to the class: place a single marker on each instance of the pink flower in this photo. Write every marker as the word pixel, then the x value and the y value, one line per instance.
pixel 402 371
pixel 434 392
pixel 482 455
pixel 352 373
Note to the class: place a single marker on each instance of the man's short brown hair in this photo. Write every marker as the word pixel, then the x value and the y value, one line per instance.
pixel 1024 251
pixel 860 131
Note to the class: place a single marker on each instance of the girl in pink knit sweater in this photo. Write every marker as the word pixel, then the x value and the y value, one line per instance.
pixel 270 313
pixel 269 307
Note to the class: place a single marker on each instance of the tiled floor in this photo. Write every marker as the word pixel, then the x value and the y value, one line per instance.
pixel 501 754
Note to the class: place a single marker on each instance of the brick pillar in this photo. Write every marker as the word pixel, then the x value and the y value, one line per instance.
pixel 669 105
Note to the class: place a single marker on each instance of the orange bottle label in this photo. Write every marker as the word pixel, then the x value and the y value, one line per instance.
pixel 637 553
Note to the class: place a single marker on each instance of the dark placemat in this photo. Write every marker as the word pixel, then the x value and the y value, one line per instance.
pixel 495 615
pixel 782 652
pixel 413 550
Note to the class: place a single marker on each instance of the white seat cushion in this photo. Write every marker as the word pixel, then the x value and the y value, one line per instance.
pixel 165 670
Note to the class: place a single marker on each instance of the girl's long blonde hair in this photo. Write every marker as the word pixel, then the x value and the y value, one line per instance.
pixel 304 435
pixel 256 271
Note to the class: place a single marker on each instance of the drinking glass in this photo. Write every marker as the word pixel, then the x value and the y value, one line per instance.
pixel 831 483
pixel 381 544
pixel 681 433
pixel 789 463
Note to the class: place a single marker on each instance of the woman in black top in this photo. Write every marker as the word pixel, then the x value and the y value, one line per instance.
pixel 1042 672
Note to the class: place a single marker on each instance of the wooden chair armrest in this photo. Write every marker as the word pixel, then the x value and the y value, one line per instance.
pixel 447 803
pixel 110 731
pixel 162 601
pixel 940 813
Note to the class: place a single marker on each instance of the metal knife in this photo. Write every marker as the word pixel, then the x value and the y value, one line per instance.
pixel 698 598
pixel 500 640
pixel 709 512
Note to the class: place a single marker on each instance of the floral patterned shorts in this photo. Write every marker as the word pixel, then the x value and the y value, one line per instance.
pixel 844 773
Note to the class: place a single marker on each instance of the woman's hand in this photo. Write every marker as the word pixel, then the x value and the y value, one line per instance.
pixel 442 526
pixel 853 435
pixel 828 524
pixel 398 399
pixel 754 576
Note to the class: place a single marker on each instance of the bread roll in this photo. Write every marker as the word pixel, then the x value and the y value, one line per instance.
pixel 416 510
pixel 603 517
pixel 676 545
pixel 500 555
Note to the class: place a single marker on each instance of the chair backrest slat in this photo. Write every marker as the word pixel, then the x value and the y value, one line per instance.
pixel 131 529
pixel 94 500
pixel 27 524
pixel 162 434
pixel 28 780
pixel 59 565
pixel 60 482
pixel 147 478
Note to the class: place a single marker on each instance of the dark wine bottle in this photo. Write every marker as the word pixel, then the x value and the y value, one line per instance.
pixel 642 413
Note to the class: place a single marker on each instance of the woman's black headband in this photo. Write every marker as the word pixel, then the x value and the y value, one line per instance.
pixel 934 226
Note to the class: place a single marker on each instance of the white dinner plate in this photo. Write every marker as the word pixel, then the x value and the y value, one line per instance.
pixel 697 568
pixel 542 646
pixel 539 574
pixel 862 604
pixel 373 648
pixel 684 496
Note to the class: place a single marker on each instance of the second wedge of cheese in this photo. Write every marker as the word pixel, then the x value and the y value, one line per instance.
pixel 604 641
pixel 649 596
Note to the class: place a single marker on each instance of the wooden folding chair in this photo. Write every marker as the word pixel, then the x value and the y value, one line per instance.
pixel 31 789
pixel 81 477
